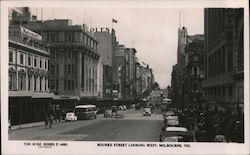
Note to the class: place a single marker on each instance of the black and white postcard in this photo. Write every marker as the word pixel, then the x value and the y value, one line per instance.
pixel 125 77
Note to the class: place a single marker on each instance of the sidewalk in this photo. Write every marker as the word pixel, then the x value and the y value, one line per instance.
pixel 33 124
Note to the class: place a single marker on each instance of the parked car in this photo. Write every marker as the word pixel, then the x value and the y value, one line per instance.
pixel 119 114
pixel 170 121
pixel 168 113
pixel 70 116
pixel 108 113
pixel 147 112
pixel 177 134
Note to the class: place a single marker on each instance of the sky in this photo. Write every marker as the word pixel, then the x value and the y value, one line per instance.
pixel 153 32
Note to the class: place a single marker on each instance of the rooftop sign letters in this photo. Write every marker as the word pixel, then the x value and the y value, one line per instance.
pixel 30 34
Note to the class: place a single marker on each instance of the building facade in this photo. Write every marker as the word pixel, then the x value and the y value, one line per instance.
pixel 180 68
pixel 194 70
pixel 106 49
pixel 29 57
pixel 224 58
pixel 73 61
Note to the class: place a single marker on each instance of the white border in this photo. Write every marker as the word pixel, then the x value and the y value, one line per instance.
pixel 17 147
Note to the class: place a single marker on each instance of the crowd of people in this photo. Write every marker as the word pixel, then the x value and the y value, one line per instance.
pixel 213 124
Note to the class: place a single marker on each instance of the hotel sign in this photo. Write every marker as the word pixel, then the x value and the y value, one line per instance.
pixel 30 34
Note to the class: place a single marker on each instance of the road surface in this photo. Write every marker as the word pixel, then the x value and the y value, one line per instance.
pixel 133 127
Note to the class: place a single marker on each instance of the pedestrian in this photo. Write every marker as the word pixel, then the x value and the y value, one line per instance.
pixel 46 121
pixel 51 120
pixel 9 122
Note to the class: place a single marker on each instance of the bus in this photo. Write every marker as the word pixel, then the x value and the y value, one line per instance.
pixel 84 112
pixel 165 103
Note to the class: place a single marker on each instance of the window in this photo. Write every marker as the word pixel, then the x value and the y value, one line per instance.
pixel 41 62
pixel 230 60
pixel 73 68
pixel 65 84
pixel 45 84
pixel 69 84
pixel 29 83
pixel 223 91
pixel 10 56
pixel 57 69
pixel 34 83
pixel 21 82
pixel 45 64
pixel 230 91
pixel 73 85
pixel 69 69
pixel 52 69
pixel 29 60
pixel 69 37
pixel 53 38
pixel 69 53
pixel 35 62
pixel 41 79
pixel 52 53
pixel 10 82
pixel 65 69
pixel 21 58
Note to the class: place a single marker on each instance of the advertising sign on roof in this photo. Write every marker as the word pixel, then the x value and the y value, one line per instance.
pixel 30 34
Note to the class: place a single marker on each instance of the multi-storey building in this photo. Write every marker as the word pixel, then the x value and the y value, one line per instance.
pixel 174 88
pixel 106 48
pixel 74 60
pixel 147 79
pixel 224 57
pixel 138 79
pixel 180 68
pixel 194 70
pixel 120 67
pixel 29 95
pixel 131 72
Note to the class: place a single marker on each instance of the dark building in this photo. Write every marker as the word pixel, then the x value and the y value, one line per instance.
pixel 224 58
pixel 179 70
pixel 174 87
pixel 194 70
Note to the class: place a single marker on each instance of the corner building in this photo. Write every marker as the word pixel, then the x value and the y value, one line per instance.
pixel 29 95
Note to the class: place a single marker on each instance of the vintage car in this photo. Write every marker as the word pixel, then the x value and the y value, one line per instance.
pixel 170 121
pixel 108 113
pixel 147 112
pixel 177 134
pixel 70 116
pixel 119 114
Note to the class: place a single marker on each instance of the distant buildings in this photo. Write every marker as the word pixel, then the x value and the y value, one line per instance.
pixel 55 65
pixel 210 68
pixel 194 69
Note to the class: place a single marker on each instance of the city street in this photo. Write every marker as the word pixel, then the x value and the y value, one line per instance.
pixel 133 127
